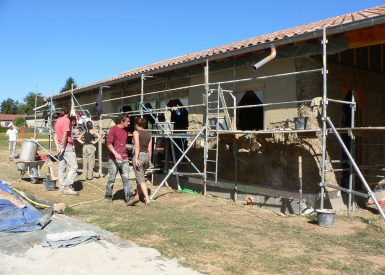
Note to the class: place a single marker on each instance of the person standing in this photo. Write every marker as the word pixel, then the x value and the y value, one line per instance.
pixel 66 152
pixel 142 155
pixel 12 140
pixel 89 138
pixel 49 112
pixel 118 159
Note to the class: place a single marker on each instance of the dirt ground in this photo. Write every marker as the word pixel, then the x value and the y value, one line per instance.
pixel 217 236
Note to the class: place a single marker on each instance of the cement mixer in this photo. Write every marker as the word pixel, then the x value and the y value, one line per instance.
pixel 27 164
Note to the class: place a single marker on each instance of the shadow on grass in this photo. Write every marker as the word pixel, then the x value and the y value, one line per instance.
pixel 78 185
pixel 313 222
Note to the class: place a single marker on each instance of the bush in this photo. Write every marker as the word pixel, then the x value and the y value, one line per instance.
pixel 3 129
pixel 28 130
pixel 19 122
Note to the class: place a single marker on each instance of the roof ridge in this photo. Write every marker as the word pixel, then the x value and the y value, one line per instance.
pixel 252 41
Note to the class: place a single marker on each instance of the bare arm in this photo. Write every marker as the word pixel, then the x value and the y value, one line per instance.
pixel 116 154
pixel 110 146
pixel 136 148
pixel 80 137
pixel 56 142
pixel 150 149
pixel 64 140
pixel 59 149
pixel 98 136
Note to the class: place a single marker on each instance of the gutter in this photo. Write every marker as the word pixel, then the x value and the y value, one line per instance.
pixel 378 20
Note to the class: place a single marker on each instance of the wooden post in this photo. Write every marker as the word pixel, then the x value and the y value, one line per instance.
pixel 300 183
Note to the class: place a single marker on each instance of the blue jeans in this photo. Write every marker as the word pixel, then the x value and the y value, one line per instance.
pixel 67 161
pixel 123 167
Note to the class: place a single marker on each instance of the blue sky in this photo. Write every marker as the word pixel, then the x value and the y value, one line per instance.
pixel 43 42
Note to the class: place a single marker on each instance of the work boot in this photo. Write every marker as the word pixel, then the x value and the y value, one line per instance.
pixel 108 200
pixel 69 191
pixel 131 200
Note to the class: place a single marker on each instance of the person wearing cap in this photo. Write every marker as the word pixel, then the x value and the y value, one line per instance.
pixel 12 140
pixel 89 138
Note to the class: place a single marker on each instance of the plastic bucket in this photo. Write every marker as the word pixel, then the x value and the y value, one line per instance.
pixel 300 123
pixel 28 150
pixel 326 217
pixel 21 166
pixel 49 185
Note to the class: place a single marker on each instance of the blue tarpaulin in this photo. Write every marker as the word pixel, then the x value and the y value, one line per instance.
pixel 16 219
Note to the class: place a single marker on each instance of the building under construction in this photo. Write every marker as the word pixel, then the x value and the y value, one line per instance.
pixel 295 115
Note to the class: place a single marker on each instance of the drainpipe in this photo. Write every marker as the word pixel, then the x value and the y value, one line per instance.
pixel 267 59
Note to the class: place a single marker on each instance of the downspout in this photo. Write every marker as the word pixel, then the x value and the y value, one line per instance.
pixel 267 59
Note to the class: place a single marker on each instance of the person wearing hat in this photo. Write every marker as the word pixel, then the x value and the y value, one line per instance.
pixel 12 139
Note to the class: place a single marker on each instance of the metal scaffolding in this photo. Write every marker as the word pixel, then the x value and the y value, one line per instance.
pixel 215 105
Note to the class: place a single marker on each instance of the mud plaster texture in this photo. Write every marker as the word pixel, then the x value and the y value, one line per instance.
pixel 309 86
pixel 370 96
pixel 275 163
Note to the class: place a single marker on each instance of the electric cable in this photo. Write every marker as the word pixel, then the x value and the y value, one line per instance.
pixel 28 199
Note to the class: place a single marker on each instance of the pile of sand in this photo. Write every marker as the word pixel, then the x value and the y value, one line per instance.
pixel 99 257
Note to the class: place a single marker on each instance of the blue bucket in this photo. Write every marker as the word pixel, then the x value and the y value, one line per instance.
pixel 300 123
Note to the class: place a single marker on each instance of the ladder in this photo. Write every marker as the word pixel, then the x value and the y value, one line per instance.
pixel 224 107
pixel 211 145
pixel 171 137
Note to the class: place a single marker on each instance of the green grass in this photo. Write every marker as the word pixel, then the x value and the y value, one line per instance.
pixel 182 233
pixel 216 236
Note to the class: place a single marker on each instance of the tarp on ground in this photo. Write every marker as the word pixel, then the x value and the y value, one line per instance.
pixel 15 219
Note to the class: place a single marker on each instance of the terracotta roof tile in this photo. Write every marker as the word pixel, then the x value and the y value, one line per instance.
pixel 290 32
pixel 9 117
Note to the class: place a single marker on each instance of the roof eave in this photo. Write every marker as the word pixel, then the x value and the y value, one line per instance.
pixel 373 21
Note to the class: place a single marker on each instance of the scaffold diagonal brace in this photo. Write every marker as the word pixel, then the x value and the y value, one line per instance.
pixel 165 132
pixel 177 163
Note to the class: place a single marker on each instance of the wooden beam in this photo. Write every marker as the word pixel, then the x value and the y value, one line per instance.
pixel 367 37
pixel 382 57
pixel 354 57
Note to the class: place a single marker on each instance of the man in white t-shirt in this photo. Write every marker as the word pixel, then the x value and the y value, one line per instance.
pixel 12 140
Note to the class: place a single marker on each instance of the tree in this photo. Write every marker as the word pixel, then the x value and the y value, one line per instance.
pixel 9 106
pixel 19 122
pixel 29 103
pixel 22 109
pixel 68 85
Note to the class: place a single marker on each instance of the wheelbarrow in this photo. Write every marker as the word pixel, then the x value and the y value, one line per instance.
pixel 30 169
pixel 28 164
